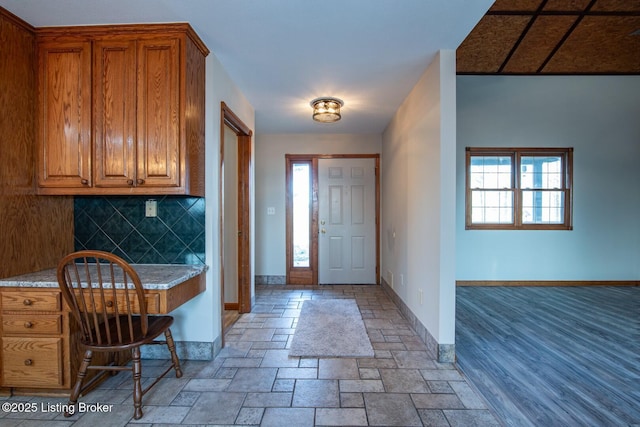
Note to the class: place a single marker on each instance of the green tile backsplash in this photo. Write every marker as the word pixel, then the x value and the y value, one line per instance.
pixel 118 225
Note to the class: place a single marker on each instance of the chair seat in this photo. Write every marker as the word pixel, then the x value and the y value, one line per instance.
pixel 157 325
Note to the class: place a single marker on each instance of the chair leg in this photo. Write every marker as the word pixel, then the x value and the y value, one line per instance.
pixel 77 388
pixel 137 386
pixel 172 350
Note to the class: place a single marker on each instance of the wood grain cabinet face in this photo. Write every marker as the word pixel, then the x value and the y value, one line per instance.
pixel 34 339
pixel 146 103
pixel 64 114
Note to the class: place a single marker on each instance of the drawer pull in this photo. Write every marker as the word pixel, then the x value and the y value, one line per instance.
pixel 27 301
pixel 140 181
pixel 28 362
pixel 28 325
pixel 109 303
pixel 84 181
pixel 129 182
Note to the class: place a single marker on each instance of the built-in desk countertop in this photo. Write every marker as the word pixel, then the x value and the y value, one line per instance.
pixel 167 286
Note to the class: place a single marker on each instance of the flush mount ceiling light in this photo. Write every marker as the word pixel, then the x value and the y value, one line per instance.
pixel 326 109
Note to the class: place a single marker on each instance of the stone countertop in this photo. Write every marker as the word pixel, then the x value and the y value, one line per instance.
pixel 152 276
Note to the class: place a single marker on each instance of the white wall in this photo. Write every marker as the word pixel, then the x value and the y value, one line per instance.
pixel 199 319
pixel 597 115
pixel 418 199
pixel 270 150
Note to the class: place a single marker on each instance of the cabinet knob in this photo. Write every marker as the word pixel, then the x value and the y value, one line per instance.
pixel 84 181
pixel 140 181
pixel 28 362
pixel 28 325
pixel 129 182
pixel 109 303
pixel 27 302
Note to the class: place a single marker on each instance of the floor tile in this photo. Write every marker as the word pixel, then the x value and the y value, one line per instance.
pixel 403 381
pixel 338 368
pixel 215 408
pixel 341 417
pixel 316 393
pixel 279 417
pixel 253 379
pixel 387 409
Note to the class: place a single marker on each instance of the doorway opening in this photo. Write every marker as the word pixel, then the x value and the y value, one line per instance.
pixel 235 217
pixel 332 219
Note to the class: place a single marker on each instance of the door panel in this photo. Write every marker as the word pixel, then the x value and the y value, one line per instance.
pixel 347 241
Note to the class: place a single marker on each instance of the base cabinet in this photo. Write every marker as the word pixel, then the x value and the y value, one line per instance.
pixel 35 340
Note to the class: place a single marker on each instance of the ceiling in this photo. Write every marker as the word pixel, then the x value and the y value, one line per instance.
pixel 538 37
pixel 370 53
pixel 283 53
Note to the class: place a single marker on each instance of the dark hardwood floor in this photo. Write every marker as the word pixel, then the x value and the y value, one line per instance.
pixel 548 356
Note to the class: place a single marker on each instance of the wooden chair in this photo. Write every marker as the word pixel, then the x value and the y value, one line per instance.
pixel 106 299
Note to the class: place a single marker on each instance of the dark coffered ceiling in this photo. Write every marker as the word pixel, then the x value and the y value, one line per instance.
pixel 554 37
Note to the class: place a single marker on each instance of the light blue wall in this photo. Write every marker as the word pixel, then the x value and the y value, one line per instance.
pixel 597 115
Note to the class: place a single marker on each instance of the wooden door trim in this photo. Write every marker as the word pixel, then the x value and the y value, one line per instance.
pixel 244 134
pixel 310 277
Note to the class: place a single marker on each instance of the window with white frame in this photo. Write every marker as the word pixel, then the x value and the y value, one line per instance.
pixel 519 188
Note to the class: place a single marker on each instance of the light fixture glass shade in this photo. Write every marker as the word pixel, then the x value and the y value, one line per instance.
pixel 326 110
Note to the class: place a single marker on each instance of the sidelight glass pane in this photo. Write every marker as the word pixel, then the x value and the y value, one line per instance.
pixel 301 214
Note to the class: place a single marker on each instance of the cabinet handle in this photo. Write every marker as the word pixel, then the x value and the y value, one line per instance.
pixel 84 181
pixel 28 362
pixel 27 302
pixel 140 181
pixel 28 325
pixel 129 182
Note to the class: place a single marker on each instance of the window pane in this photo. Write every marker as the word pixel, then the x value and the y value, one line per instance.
pixel 301 214
pixel 491 207
pixel 543 207
pixel 490 172
pixel 541 172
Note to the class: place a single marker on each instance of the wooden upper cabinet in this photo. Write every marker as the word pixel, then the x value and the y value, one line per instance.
pixel 114 131
pixel 64 115
pixel 159 113
pixel 147 109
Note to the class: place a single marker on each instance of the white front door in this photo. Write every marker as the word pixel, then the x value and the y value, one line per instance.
pixel 347 229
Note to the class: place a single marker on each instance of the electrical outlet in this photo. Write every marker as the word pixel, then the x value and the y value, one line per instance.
pixel 271 211
pixel 151 208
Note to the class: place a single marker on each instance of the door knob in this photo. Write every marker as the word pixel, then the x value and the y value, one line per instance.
pixel 322 222
pixel 323 231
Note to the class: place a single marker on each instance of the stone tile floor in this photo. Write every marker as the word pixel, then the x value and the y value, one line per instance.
pixel 253 381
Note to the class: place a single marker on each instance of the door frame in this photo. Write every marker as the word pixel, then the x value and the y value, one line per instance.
pixel 309 275
pixel 245 173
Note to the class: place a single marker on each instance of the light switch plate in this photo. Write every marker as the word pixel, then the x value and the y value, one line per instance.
pixel 151 208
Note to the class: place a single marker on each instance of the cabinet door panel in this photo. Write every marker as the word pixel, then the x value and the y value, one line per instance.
pixel 114 112
pixel 64 114
pixel 158 113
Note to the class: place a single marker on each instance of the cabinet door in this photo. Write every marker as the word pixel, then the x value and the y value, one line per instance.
pixel 114 112
pixel 159 113
pixel 64 114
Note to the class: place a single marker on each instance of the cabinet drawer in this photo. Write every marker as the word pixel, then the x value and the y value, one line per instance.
pixel 152 301
pixel 31 301
pixel 31 362
pixel 24 324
